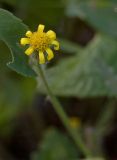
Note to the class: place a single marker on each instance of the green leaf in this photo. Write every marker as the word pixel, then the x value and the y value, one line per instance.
pixel 56 146
pixel 93 72
pixel 101 14
pixel 11 30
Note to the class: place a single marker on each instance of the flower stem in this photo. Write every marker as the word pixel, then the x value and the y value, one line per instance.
pixel 62 115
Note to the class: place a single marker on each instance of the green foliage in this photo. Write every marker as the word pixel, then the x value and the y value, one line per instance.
pixel 15 95
pixel 90 73
pixel 11 30
pixel 56 146
pixel 100 14
pixel 79 78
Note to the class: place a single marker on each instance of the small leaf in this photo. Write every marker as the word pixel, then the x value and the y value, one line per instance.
pixel 11 30
pixel 56 146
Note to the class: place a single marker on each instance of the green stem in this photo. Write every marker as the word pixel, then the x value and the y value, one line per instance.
pixel 103 124
pixel 62 115
pixel 105 118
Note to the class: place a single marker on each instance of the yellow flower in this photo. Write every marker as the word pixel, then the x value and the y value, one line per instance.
pixel 75 122
pixel 41 42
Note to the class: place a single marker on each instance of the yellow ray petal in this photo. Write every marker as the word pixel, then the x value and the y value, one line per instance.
pixel 41 28
pixel 50 53
pixel 41 57
pixel 29 51
pixel 28 33
pixel 56 44
pixel 51 35
pixel 24 41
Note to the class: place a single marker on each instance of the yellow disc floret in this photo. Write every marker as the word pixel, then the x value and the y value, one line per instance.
pixel 41 41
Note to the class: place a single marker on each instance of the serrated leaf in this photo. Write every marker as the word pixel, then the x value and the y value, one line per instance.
pixel 91 73
pixel 11 30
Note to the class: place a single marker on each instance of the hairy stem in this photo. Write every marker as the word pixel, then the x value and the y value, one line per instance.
pixel 62 115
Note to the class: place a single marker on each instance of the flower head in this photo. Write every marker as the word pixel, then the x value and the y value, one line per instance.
pixel 75 122
pixel 41 42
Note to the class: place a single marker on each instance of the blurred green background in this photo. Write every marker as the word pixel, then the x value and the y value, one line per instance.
pixel 83 76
